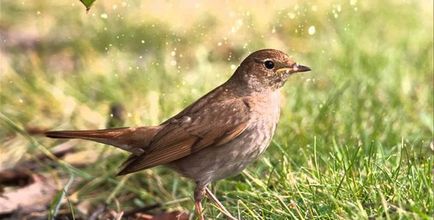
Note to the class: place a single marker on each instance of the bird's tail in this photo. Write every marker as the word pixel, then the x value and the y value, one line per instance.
pixel 133 140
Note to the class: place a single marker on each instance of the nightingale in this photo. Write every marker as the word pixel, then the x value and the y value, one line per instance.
pixel 216 136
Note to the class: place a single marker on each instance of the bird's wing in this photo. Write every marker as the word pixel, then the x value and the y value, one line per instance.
pixel 213 125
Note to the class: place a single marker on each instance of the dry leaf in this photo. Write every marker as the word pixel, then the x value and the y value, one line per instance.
pixel 33 197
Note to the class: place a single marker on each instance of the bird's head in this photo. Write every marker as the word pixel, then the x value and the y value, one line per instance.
pixel 267 69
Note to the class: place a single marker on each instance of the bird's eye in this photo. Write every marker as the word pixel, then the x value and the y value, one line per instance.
pixel 269 64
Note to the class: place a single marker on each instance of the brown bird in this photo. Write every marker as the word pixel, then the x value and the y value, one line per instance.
pixel 215 137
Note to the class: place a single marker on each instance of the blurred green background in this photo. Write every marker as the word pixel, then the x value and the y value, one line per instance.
pixel 355 133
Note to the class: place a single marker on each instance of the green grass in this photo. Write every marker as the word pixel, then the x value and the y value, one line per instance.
pixel 354 137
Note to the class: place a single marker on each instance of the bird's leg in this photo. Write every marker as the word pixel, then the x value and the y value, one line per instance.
pixel 199 192
pixel 219 204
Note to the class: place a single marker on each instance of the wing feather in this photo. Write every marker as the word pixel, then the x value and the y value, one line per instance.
pixel 211 126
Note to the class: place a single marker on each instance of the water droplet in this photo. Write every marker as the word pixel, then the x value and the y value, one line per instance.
pixel 335 15
pixel 104 16
pixel 311 30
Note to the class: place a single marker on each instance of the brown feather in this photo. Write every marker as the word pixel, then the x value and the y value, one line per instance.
pixel 161 156
pixel 192 132
pixel 129 139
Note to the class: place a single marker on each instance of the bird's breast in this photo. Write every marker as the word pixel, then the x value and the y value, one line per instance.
pixel 217 162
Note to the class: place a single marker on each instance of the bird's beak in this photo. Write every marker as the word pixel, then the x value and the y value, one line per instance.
pixel 294 68
pixel 300 68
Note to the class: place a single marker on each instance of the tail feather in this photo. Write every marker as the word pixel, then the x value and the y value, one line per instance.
pixel 104 133
pixel 133 140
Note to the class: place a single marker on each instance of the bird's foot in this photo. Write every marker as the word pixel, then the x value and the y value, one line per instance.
pixel 198 208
